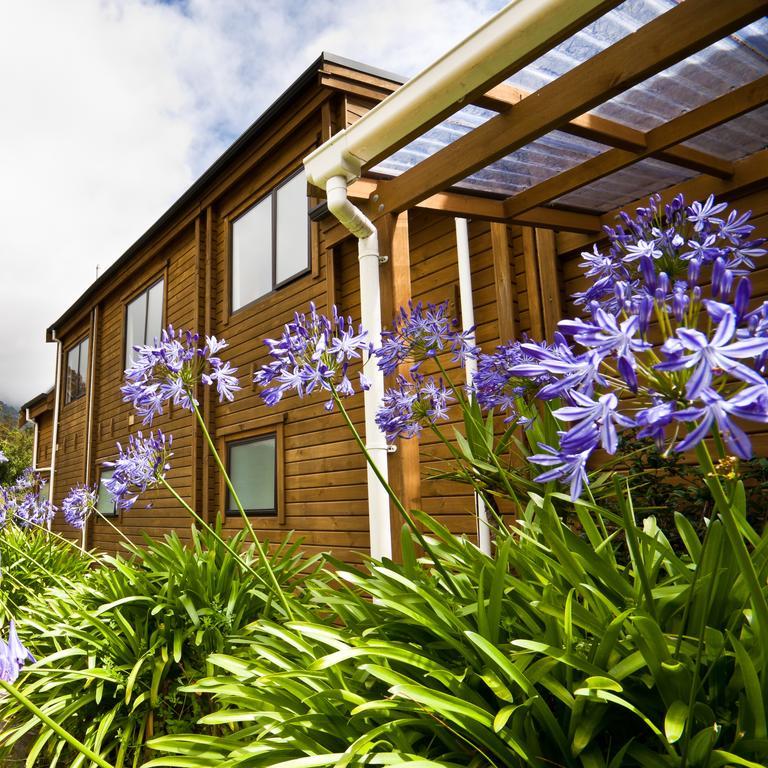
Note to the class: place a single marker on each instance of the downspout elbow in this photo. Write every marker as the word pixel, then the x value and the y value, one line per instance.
pixel 345 211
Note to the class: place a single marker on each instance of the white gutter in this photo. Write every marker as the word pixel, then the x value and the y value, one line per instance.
pixel 57 404
pixel 370 311
pixel 518 32
pixel 468 323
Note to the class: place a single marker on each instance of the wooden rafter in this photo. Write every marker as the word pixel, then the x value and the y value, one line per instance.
pixel 477 207
pixel 748 173
pixel 685 127
pixel 613 134
pixel 671 37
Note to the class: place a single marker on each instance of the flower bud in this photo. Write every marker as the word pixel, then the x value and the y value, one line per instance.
pixel 664 282
pixel 694 270
pixel 742 296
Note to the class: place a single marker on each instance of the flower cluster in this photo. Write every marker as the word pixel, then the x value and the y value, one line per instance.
pixel 13 656
pixel 422 333
pixel 412 403
pixel 313 353
pixel 78 504
pixel 496 385
pixel 140 466
pixel 690 361
pixel 418 334
pixel 26 503
pixel 170 369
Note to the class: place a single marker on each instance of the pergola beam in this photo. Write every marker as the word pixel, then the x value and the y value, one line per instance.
pixel 673 36
pixel 693 123
pixel 612 134
pixel 748 173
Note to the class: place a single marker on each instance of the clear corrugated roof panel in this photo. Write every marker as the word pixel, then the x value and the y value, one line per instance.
pixel 639 180
pixel 717 69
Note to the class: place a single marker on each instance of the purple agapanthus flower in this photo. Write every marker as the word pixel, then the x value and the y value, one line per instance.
pixel 602 413
pixel 707 355
pixel 169 370
pixel 315 352
pixel 569 468
pixel 715 410
pixel 25 502
pixel 411 405
pixel 13 655
pixel 140 466
pixel 78 505
pixel 422 333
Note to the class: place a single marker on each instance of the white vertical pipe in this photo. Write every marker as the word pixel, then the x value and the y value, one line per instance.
pixel 370 314
pixel 468 322
pixel 56 406
pixel 376 443
pixel 35 439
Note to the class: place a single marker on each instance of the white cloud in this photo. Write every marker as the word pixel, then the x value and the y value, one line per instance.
pixel 110 110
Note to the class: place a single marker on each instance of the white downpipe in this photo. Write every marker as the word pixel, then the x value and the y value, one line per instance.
pixel 510 37
pixel 468 322
pixel 370 310
pixel 57 404
pixel 35 438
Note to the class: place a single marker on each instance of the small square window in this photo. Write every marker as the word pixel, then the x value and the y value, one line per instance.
pixel 104 502
pixel 77 371
pixel 270 242
pixel 252 467
pixel 143 319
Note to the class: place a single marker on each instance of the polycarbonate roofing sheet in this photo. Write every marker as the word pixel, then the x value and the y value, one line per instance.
pixel 717 69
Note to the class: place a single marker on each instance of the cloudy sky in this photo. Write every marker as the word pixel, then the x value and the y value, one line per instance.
pixel 111 108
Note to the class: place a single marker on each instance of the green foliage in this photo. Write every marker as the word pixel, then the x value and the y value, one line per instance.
pixel 115 650
pixel 554 652
pixel 31 560
pixel 16 445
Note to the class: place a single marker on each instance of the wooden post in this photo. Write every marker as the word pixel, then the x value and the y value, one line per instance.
pixel 533 287
pixel 207 327
pixel 503 279
pixel 549 280
pixel 404 469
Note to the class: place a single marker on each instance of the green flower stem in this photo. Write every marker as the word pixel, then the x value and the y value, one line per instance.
pixel 216 536
pixel 733 531
pixel 279 592
pixel 54 726
pixel 392 495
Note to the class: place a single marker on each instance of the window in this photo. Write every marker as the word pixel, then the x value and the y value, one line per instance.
pixel 77 371
pixel 104 502
pixel 143 319
pixel 270 242
pixel 253 470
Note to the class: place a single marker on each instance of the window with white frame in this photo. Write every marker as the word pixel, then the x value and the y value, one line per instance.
pixel 270 242
pixel 77 371
pixel 143 319
pixel 252 467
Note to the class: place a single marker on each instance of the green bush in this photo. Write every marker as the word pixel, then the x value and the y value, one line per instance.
pixel 115 649
pixel 553 652
pixel 31 560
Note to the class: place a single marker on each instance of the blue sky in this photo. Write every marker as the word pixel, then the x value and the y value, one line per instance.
pixel 111 108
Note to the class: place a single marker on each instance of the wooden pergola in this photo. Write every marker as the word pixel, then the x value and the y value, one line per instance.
pixel 572 103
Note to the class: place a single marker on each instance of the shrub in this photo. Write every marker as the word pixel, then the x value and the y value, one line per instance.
pixel 116 649
pixel 31 561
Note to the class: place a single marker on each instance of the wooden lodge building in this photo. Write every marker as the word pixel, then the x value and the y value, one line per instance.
pixel 536 130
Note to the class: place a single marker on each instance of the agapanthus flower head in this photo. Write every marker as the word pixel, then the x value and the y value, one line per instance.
pixel 140 466
pixel 78 504
pixel 25 502
pixel 169 369
pixel 413 404
pixel 421 333
pixel 13 655
pixel 669 324
pixel 314 352
pixel 497 386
